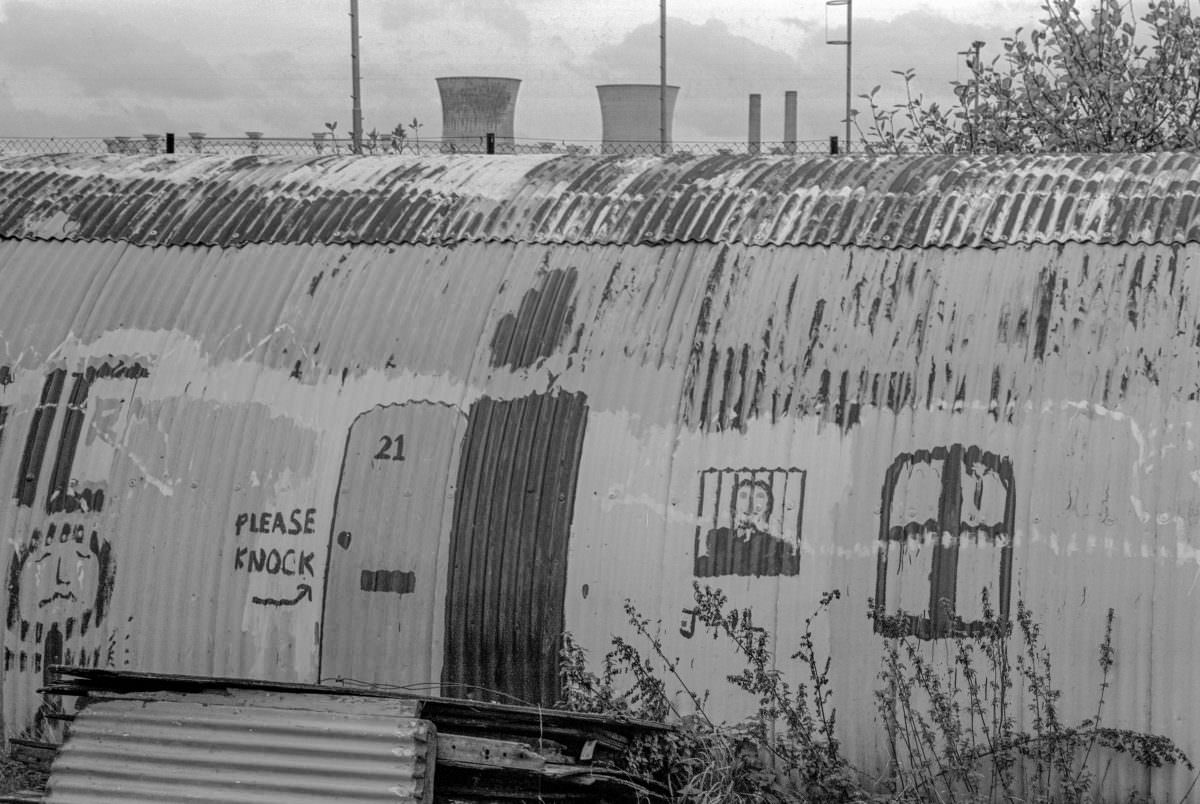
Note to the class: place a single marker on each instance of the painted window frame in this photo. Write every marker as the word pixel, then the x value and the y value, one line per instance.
pixel 942 620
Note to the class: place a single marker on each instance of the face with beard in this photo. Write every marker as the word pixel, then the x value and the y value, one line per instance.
pixel 752 504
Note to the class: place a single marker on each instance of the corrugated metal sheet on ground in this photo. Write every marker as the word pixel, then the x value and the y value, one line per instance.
pixel 246 747
pixel 883 202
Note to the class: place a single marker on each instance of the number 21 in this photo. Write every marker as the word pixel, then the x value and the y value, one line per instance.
pixel 390 449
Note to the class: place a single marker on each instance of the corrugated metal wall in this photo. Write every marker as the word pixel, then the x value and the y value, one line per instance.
pixel 508 555
pixel 476 401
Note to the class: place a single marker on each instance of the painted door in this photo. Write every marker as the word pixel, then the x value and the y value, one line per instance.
pixel 385 588
pixel 508 554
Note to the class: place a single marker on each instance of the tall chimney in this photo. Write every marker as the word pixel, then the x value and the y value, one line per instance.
pixel 755 138
pixel 789 122
pixel 475 106
pixel 630 117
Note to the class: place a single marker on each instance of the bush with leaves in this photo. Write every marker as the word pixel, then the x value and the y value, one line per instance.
pixel 1076 83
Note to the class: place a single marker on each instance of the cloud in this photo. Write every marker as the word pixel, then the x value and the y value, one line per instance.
pixel 503 16
pixel 798 23
pixel 74 69
pixel 88 119
pixel 717 69
pixel 708 53
pixel 106 67
pixel 714 68
pixel 925 41
pixel 98 54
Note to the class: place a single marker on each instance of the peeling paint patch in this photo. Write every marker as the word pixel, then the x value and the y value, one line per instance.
pixel 163 486
pixel 541 322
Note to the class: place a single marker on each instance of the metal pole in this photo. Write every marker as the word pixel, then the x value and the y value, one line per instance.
pixel 849 49
pixel 848 43
pixel 662 77
pixel 356 83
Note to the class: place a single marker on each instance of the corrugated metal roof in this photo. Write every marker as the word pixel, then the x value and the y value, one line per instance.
pixel 881 202
pixel 246 746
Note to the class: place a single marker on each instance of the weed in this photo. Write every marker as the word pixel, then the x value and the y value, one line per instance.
pixel 952 724
pixel 954 733
pixel 785 752
pixel 16 775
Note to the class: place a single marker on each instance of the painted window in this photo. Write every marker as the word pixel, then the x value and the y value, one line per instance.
pixel 945 543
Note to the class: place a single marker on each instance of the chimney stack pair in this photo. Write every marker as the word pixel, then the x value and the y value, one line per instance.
pixel 754 138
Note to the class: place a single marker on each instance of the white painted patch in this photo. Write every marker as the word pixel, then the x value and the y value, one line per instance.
pixel 164 486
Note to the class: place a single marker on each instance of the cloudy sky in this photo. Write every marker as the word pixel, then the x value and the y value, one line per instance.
pixel 127 67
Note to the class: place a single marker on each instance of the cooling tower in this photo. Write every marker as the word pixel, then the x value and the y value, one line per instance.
pixel 473 107
pixel 630 117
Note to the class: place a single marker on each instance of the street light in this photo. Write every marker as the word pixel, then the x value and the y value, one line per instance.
pixel 662 78
pixel 355 83
pixel 847 42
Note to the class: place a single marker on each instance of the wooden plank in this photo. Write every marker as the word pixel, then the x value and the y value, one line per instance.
pixel 28 796
pixel 37 753
pixel 483 752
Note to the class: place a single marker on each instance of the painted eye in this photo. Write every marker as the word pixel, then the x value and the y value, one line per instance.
pixel 42 557
pixel 83 555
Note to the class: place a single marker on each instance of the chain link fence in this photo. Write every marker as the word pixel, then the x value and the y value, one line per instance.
pixel 322 143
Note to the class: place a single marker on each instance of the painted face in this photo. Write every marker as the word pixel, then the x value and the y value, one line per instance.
pixel 65 570
pixel 752 505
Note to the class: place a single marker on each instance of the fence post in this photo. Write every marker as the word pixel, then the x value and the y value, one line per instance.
pixel 491 142
pixel 833 145
pixel 170 145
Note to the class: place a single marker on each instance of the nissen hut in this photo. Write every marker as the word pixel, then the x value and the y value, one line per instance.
pixel 405 421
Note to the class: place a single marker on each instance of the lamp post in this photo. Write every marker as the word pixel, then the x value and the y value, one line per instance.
pixel 662 78
pixel 847 42
pixel 355 83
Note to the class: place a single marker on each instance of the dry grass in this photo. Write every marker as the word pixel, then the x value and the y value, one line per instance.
pixel 18 775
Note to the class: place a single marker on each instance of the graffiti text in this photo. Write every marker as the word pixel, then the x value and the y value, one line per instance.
pixel 274 561
pixel 297 521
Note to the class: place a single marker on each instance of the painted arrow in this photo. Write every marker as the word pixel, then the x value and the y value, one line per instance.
pixel 302 591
